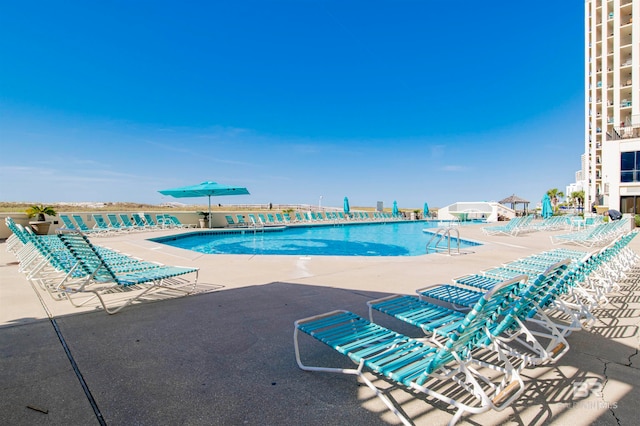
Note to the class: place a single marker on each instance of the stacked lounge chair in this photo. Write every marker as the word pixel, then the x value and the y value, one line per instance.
pixel 516 305
pixel 68 266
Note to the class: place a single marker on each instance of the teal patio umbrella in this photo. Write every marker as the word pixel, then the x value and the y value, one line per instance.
pixel 205 189
pixel 547 208
pixel 425 211
pixel 347 210
pixel 394 211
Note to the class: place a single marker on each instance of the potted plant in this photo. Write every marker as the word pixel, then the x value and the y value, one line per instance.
pixel 204 220
pixel 40 226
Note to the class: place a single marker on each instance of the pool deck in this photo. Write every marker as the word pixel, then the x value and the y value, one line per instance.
pixel 225 354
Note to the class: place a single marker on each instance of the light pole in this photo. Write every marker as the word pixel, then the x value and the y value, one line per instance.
pixel 320 203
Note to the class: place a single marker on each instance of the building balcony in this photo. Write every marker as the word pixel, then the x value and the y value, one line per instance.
pixel 624 132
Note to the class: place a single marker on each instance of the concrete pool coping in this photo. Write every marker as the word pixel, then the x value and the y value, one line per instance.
pixel 225 355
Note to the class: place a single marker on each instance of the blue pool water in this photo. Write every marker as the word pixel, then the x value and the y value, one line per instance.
pixel 387 239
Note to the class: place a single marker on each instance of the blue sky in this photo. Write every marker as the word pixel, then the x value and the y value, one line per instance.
pixel 404 100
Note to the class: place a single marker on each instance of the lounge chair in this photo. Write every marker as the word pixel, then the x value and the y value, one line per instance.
pixel 271 220
pixel 449 372
pixel 83 227
pixel 101 224
pixel 102 279
pixel 596 235
pixel 241 221
pixel 514 227
pixel 287 217
pixel 139 221
pixel 150 222
pixel 127 224
pixel 253 222
pixel 230 222
pixel 68 223
pixel 163 221
pixel 545 342
pixel 43 264
pixel 175 222
pixel 115 223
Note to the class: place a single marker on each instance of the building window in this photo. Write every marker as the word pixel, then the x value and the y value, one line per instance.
pixel 630 166
pixel 630 205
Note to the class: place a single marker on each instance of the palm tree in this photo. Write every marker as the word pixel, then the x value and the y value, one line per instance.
pixel 40 210
pixel 554 194
pixel 578 198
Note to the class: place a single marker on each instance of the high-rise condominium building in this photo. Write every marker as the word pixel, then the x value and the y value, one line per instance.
pixel 612 109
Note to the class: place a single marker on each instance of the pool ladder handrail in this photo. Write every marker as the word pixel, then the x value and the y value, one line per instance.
pixel 256 227
pixel 441 233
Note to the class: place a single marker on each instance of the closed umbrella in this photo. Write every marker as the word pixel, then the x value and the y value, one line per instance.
pixel 205 189
pixel 347 210
pixel 425 211
pixel 394 211
pixel 547 208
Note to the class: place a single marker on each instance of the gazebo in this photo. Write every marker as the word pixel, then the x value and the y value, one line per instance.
pixel 514 200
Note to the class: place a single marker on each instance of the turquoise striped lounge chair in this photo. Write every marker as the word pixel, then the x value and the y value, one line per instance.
pixel 448 373
pixel 596 235
pixel 271 220
pixel 175 222
pixel 101 224
pixel 127 224
pixel 510 228
pixel 253 221
pixel 163 221
pixel 139 222
pixel 83 227
pixel 68 223
pixel 150 222
pixel 115 223
pixel 282 219
pixel 534 347
pixel 102 278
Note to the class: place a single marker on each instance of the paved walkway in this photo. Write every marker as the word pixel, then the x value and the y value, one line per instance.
pixel 225 355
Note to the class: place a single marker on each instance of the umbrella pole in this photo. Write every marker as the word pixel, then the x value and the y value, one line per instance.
pixel 209 211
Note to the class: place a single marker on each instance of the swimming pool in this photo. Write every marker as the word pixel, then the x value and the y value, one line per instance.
pixel 381 239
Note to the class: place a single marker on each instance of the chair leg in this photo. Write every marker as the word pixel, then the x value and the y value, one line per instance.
pixel 356 372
